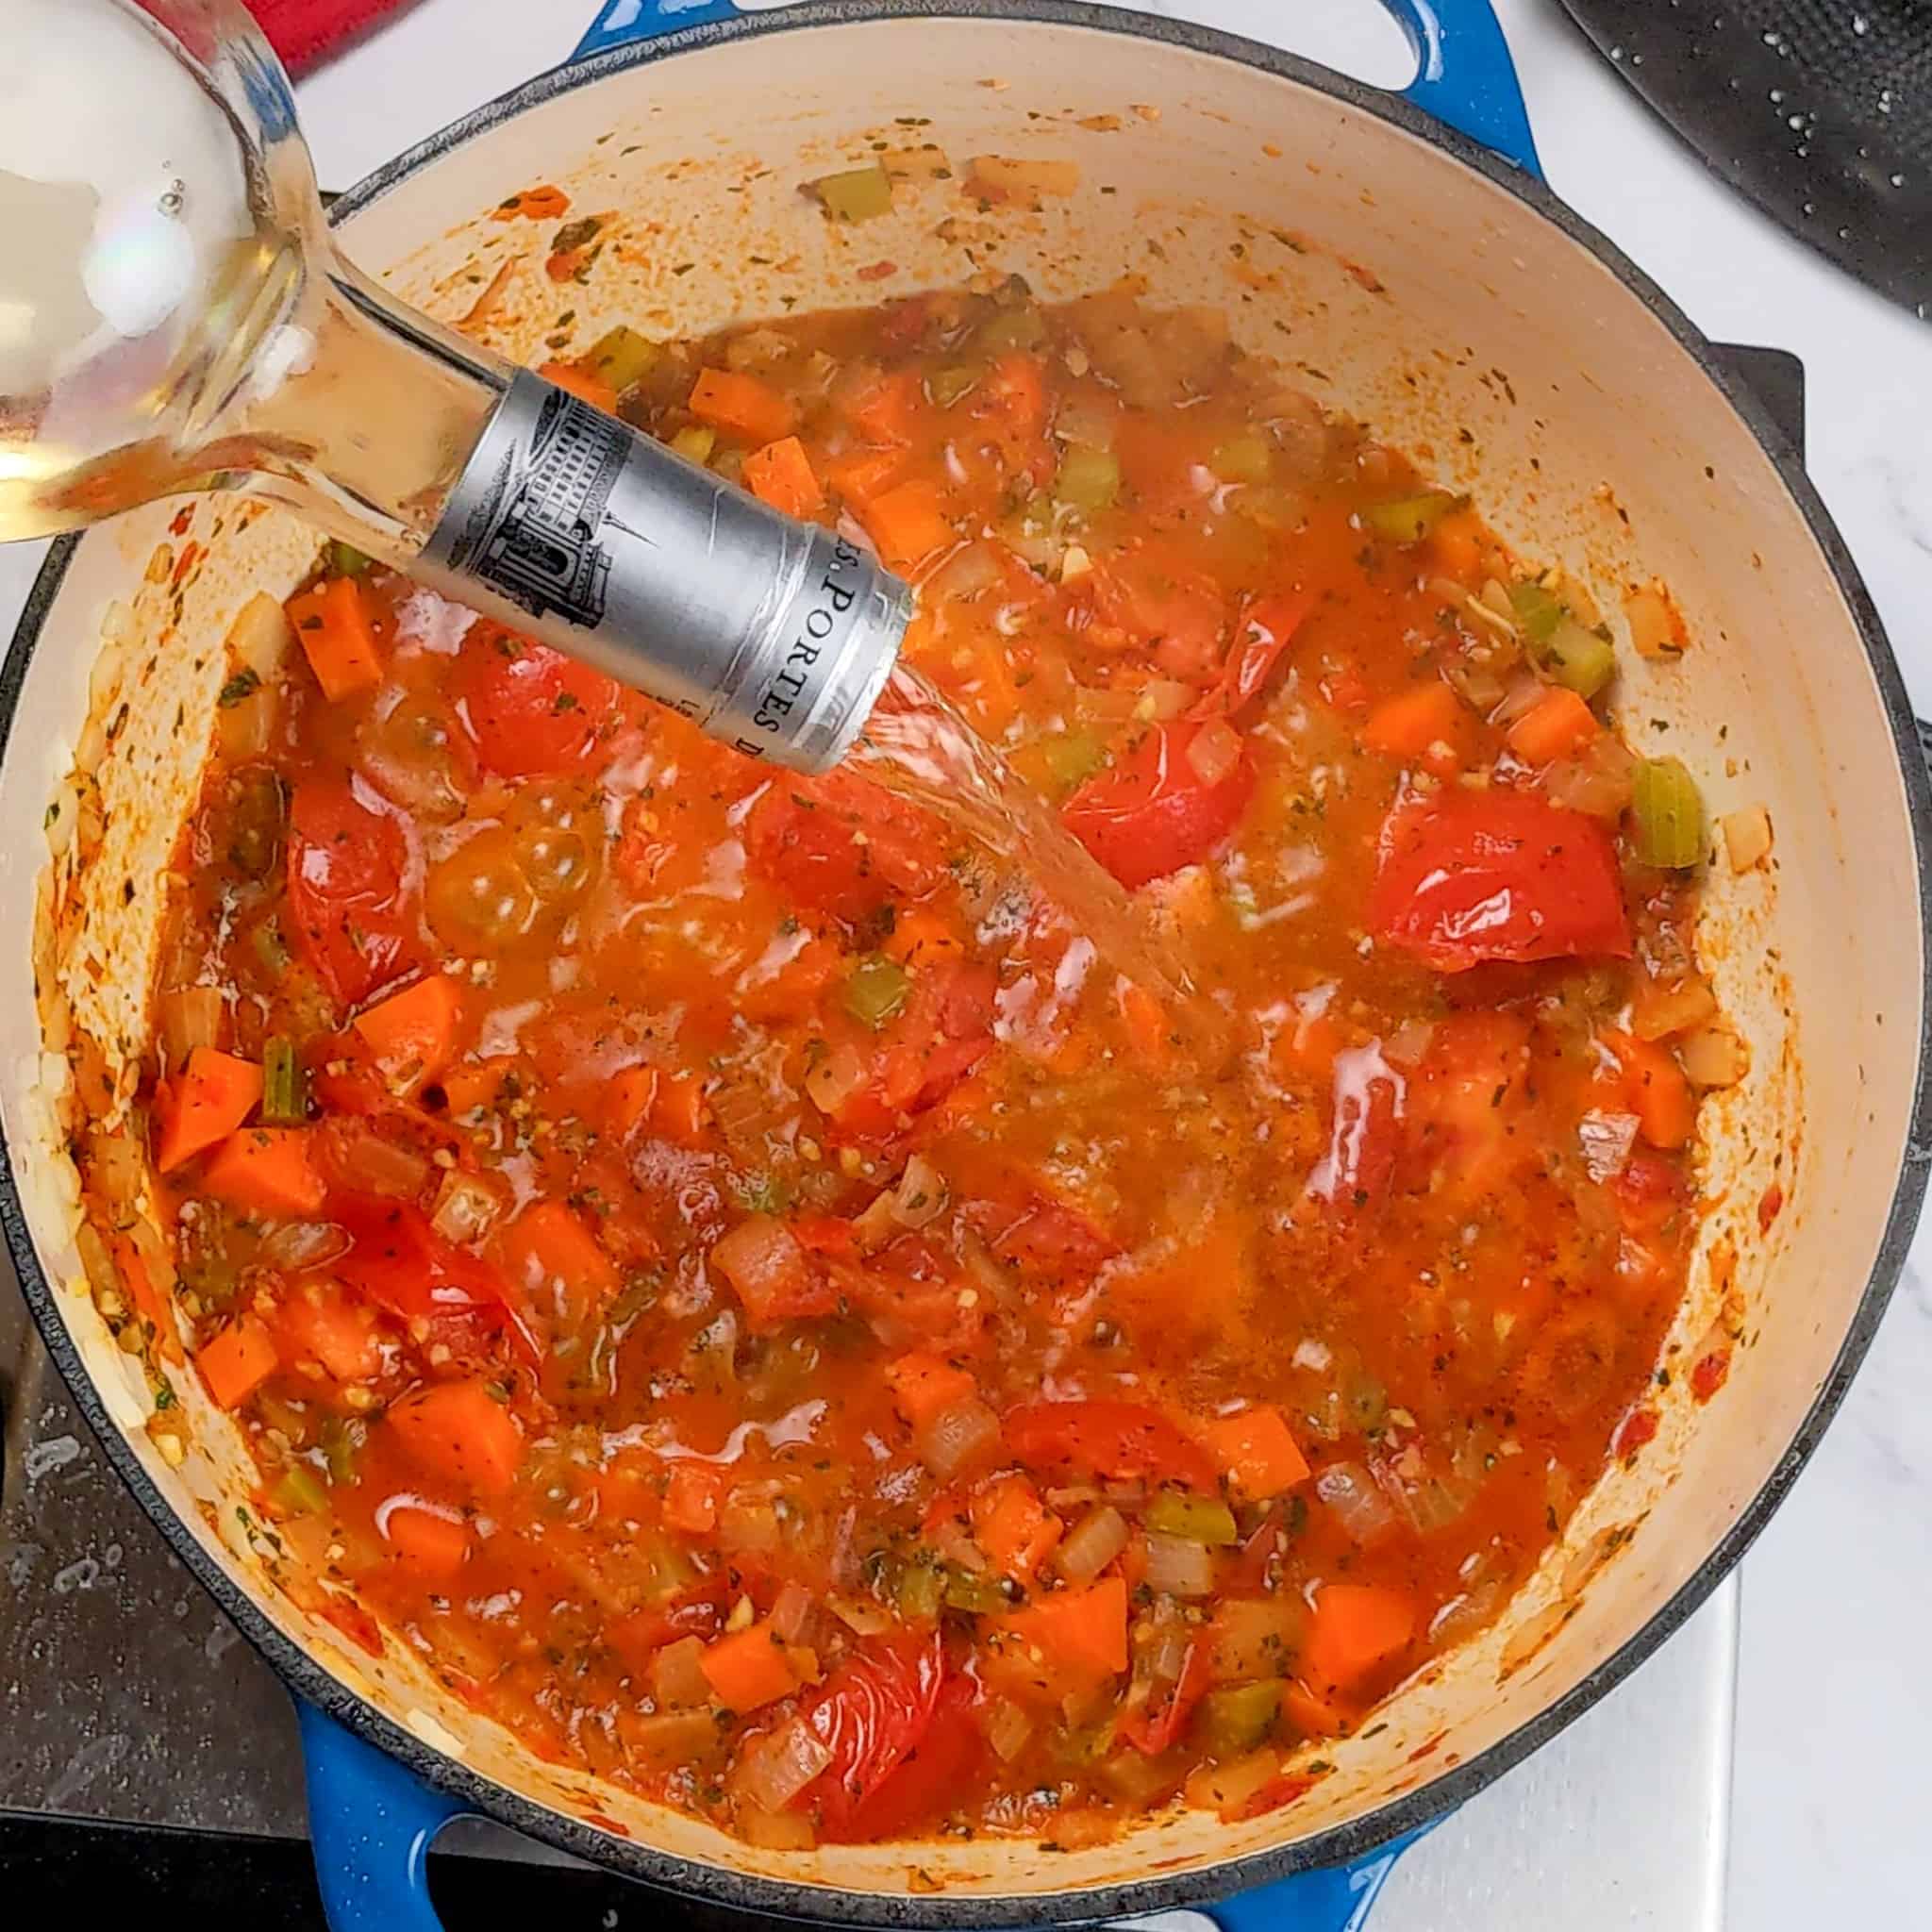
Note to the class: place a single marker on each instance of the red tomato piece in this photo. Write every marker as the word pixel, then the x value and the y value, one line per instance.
pixel 870 1714
pixel 840 845
pixel 1116 1439
pixel 348 867
pixel 531 710
pixel 1266 630
pixel 1496 875
pixel 1152 813
pixel 932 1776
pixel 402 1264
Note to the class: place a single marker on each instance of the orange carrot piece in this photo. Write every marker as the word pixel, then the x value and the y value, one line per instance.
pixel 906 523
pixel 150 1304
pixel 581 384
pixel 923 1385
pixel 1414 722
pixel 1146 1023
pixel 414 1033
pixel 1554 727
pixel 1354 1627
pixel 742 406
pixel 267 1170
pixel 888 412
pixel 920 937
pixel 1082 1633
pixel 628 1099
pixel 426 1540
pixel 1016 387
pixel 1660 1095
pixel 677 1110
pixel 542 204
pixel 861 477
pixel 332 621
pixel 749 1668
pixel 548 1247
pixel 1257 1450
pixel 237 1361
pixel 207 1101
pixel 692 1497
pixel 1456 543
pixel 1014 1527
pixel 781 474
pixel 459 1431
pixel 475 1084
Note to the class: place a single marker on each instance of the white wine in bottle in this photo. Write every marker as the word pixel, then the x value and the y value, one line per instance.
pixel 175 316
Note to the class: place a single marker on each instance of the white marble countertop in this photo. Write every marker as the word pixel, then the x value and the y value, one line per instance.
pixel 1834 1700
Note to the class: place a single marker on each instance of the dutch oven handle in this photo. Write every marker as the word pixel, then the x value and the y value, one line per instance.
pixel 371 1819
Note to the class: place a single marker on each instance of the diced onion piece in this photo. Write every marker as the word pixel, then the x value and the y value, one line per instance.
pixel 1747 836
pixel 860 1615
pixel 188 1017
pixel 1214 751
pixel 1655 629
pixel 1658 1011
pixel 921 1195
pixel 1093 1543
pixel 261 635
pixel 1410 1041
pixel 761 1259
pixel 1606 1140
pixel 117 1168
pixel 876 1223
pixel 296 1247
pixel 1714 1057
pixel 1521 695
pixel 1087 420
pixel 677 1674
pixel 994 177
pixel 369 1163
pixel 1598 780
pixel 1669 811
pixel 1179 1567
pixel 1359 1504
pixel 836 1078
pixel 466 1208
pixel 776 1770
pixel 791 1612
pixel 971 569
pixel 957 1435
pixel 775 1831
pixel 1008 1729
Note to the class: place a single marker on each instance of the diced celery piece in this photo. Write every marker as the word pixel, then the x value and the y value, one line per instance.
pixel 300 1492
pixel 1021 327
pixel 1409 518
pixel 1072 757
pixel 855 194
pixel 345 560
pixel 695 443
pixel 946 386
pixel 1089 479
pixel 1537 613
pixel 1577 658
pixel 921 1591
pixel 284 1101
pixel 1194 1518
pixel 1245 459
pixel 978 1596
pixel 342 1441
pixel 1238 1717
pixel 877 989
pixel 622 357
pixel 1669 811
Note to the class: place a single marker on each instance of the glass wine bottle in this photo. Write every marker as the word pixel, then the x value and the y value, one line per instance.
pixel 175 316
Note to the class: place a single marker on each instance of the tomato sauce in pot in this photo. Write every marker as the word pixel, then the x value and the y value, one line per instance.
pixel 759 1301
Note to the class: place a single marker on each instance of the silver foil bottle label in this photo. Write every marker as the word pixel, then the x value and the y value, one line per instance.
pixel 773 635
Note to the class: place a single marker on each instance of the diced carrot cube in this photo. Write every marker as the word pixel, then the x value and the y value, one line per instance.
pixel 237 1361
pixel 332 622
pixel 781 474
pixel 749 1668
pixel 267 1170
pixel 1014 1527
pixel 431 1543
pixel 906 523
pixel 1554 727
pixel 461 1432
pixel 205 1101
pixel 1354 1627
pixel 1255 1450
pixel 414 1033
pixel 1427 723
pixel 577 381
pixel 742 406
pixel 1079 1633
pixel 923 1386
pixel 692 1497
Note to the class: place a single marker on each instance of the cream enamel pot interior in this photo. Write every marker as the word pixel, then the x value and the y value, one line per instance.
pixel 1409 279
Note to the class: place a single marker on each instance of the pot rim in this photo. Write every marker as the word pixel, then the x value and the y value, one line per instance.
pixel 1355 1837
